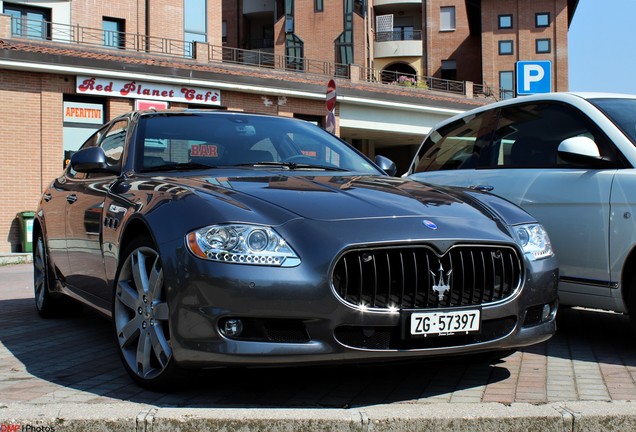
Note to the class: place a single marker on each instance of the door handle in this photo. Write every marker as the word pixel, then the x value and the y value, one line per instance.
pixel 47 197
pixel 482 188
pixel 71 198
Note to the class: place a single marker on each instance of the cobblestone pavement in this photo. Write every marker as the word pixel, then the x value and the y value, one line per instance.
pixel 74 360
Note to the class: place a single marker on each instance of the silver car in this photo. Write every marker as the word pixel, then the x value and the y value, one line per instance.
pixel 568 159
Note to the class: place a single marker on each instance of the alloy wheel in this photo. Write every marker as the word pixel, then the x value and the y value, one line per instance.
pixel 141 314
pixel 40 277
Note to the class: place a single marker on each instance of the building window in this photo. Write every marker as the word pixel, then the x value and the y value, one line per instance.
pixel 449 69
pixel 505 21
pixel 268 37
pixel 294 52
pixel 224 32
pixel 279 9
pixel 360 7
pixel 447 18
pixel 505 47
pixel 344 42
pixel 31 22
pixel 543 46
pixel 404 33
pixel 113 33
pixel 195 24
pixel 542 19
pixel 506 85
pixel 319 5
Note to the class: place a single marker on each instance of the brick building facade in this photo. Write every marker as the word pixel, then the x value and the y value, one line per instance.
pixel 266 56
pixel 446 39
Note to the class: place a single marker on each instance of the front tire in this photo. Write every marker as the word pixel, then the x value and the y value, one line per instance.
pixel 141 317
pixel 41 279
pixel 47 303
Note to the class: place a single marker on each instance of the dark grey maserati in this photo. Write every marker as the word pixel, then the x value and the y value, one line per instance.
pixel 214 239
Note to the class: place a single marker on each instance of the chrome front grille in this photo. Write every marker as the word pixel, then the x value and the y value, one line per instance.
pixel 418 278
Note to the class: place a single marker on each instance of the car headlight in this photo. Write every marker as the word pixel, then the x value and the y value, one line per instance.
pixel 242 244
pixel 534 240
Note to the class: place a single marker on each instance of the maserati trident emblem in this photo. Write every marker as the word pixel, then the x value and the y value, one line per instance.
pixel 429 224
pixel 441 286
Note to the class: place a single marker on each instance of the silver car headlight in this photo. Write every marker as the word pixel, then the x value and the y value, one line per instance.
pixel 534 240
pixel 242 244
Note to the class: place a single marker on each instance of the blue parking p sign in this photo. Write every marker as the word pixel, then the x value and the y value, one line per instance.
pixel 534 77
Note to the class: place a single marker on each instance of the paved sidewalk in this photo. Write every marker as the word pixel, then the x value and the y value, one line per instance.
pixel 64 372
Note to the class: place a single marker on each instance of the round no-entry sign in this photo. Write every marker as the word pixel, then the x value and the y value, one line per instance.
pixel 331 95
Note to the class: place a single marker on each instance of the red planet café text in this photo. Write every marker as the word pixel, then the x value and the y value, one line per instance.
pixel 132 89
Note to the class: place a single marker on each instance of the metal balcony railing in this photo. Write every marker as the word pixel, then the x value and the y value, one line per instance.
pixel 403 34
pixel 134 42
pixel 75 34
pixel 276 61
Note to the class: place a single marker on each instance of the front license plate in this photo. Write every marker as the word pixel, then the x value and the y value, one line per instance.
pixel 445 323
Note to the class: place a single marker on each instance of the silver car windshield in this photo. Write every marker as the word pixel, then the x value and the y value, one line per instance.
pixel 622 112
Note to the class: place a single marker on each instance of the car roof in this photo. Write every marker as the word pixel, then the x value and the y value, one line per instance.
pixel 136 114
pixel 574 98
pixel 207 111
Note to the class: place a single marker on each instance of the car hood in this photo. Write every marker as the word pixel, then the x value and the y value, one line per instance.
pixel 342 197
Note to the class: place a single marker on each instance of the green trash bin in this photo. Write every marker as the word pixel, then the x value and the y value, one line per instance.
pixel 26 230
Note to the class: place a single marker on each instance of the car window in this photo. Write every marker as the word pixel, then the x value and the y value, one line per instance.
pixel 92 141
pixel 113 143
pixel 461 144
pixel 528 135
pixel 229 139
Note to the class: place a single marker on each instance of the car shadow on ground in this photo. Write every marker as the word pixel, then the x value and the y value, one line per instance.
pixel 79 355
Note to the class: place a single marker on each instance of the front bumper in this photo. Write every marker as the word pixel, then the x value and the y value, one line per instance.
pixel 291 316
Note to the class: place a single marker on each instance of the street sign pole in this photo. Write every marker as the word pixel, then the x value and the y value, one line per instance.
pixel 331 106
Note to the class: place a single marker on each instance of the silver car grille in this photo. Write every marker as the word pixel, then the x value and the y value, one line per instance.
pixel 419 278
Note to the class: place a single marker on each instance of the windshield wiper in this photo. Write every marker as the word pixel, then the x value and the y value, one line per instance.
pixel 178 167
pixel 293 166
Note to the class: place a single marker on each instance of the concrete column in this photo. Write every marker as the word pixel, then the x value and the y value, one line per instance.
pixel 370 149
pixel 5 26
pixel 202 52
pixel 354 73
pixel 468 89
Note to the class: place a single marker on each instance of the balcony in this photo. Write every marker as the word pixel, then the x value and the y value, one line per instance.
pixel 401 42
pixel 98 38
pixel 140 46
pixel 399 34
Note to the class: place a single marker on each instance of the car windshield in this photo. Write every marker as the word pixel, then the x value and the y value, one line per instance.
pixel 191 141
pixel 622 112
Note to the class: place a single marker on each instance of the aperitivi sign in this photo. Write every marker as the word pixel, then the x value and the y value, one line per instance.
pixel 86 113
pixel 147 90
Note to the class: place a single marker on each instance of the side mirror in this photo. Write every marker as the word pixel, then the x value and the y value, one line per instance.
pixel 386 164
pixel 580 150
pixel 91 160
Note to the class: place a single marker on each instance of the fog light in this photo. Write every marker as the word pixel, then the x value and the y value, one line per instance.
pixel 545 313
pixel 232 327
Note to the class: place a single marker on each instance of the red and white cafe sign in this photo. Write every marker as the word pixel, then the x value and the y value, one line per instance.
pixel 147 90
